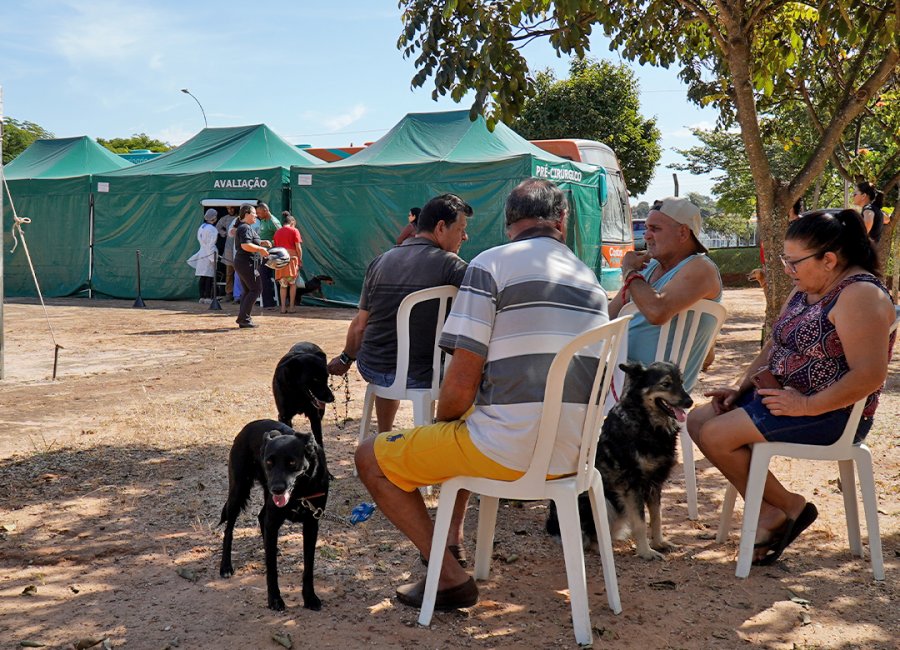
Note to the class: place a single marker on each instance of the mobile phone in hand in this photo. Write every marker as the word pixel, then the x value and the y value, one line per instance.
pixel 765 379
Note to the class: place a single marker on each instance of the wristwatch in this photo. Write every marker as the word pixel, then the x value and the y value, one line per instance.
pixel 346 359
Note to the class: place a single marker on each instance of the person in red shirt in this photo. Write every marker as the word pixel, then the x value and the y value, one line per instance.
pixel 288 237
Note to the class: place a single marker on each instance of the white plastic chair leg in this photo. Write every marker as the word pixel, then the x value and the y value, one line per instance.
pixel 570 531
pixel 484 541
pixel 366 418
pixel 851 510
pixel 690 471
pixel 438 546
pixel 756 482
pixel 423 413
pixel 863 459
pixel 727 513
pixel 604 543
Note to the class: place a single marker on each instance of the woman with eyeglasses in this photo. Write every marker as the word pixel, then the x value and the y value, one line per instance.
pixel 870 201
pixel 829 348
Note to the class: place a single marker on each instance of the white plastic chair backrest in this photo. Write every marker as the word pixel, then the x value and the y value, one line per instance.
pixel 443 297
pixel 845 442
pixel 603 343
pixel 685 333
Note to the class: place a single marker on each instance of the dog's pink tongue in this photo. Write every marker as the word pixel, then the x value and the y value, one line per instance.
pixel 679 414
pixel 280 500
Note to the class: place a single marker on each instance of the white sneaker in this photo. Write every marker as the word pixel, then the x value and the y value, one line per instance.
pixel 205 301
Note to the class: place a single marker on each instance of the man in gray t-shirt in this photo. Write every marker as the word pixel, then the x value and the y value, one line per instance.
pixel 427 260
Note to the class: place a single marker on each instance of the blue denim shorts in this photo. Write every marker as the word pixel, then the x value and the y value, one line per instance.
pixel 386 378
pixel 824 429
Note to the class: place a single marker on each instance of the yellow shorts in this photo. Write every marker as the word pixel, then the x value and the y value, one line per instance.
pixel 434 453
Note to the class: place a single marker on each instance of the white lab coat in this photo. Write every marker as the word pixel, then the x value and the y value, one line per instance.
pixel 203 261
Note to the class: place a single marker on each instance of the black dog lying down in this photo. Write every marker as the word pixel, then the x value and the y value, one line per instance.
pixel 635 455
pixel 291 468
pixel 313 285
pixel 300 385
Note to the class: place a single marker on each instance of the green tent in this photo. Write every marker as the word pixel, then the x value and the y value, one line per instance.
pixel 157 206
pixel 50 183
pixel 351 210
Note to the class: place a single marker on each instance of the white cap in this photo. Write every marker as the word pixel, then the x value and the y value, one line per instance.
pixel 684 212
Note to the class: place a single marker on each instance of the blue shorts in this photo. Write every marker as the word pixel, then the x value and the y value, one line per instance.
pixel 386 378
pixel 824 429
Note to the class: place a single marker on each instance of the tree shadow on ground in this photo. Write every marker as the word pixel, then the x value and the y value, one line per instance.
pixel 98 528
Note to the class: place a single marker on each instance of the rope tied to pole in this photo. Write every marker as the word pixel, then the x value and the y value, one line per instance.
pixel 18 222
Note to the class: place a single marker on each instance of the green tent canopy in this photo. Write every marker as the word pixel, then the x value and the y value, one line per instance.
pixel 50 183
pixel 156 206
pixel 351 210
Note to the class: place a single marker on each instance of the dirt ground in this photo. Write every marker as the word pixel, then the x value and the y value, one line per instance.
pixel 112 479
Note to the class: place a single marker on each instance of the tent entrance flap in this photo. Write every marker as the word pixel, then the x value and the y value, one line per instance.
pixel 224 203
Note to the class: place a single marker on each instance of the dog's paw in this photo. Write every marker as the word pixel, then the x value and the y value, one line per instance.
pixel 312 602
pixel 226 570
pixel 663 545
pixel 649 554
pixel 276 603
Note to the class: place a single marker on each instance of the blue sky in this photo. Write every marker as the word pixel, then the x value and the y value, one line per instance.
pixel 323 73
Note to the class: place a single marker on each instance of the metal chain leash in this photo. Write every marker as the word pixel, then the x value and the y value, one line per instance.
pixel 341 423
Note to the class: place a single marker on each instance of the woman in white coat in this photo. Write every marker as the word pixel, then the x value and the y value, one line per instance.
pixel 204 260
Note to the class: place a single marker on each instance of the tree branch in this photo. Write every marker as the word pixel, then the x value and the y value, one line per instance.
pixel 845 113
pixel 764 8
pixel 707 19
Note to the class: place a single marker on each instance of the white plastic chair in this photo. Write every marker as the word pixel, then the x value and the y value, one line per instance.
pixel 422 399
pixel 846 453
pixel 679 353
pixel 534 485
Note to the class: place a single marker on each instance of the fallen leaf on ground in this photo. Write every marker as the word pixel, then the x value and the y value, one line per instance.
pixel 380 607
pixel 663 584
pixel 30 590
pixel 28 643
pixel 187 574
pixel 87 642
pixel 283 639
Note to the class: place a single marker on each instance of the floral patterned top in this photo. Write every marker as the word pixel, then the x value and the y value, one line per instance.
pixel 807 353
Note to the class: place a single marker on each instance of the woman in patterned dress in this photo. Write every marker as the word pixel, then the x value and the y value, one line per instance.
pixel 829 348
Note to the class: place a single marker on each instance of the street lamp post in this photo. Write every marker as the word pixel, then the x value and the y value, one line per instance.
pixel 188 92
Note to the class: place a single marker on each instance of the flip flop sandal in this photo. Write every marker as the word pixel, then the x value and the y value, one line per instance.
pixel 795 526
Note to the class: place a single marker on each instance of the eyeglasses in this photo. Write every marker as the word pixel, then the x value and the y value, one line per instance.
pixel 791 265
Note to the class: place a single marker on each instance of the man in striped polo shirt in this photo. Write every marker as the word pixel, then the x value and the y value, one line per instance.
pixel 518 305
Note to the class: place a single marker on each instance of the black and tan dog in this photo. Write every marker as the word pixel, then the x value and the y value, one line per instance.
pixel 291 468
pixel 313 285
pixel 300 385
pixel 635 455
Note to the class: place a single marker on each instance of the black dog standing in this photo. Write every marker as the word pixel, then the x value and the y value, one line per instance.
pixel 300 385
pixel 291 468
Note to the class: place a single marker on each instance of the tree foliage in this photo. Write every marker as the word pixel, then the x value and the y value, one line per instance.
pixel 599 101
pixel 136 141
pixel 18 136
pixel 831 57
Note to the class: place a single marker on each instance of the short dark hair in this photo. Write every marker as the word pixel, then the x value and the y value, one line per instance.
pixel 445 207
pixel 245 209
pixel 536 198
pixel 842 233
pixel 415 212
pixel 262 204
